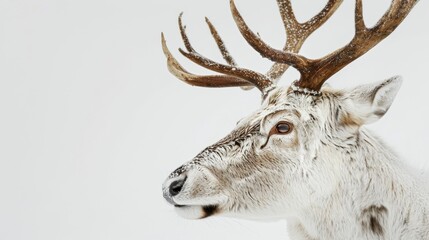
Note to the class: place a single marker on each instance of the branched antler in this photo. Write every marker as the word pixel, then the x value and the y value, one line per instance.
pixel 314 72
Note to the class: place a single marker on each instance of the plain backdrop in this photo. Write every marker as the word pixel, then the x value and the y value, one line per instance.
pixel 91 121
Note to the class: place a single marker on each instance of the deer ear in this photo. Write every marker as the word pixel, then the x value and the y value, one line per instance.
pixel 368 103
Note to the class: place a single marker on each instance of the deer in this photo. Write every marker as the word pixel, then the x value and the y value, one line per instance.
pixel 305 154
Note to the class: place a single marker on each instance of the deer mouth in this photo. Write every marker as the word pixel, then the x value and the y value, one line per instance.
pixel 196 211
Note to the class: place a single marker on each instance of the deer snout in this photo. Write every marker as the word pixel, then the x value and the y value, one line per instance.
pixel 193 185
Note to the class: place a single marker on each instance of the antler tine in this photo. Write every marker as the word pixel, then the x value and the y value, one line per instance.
pixel 221 45
pixel 224 51
pixel 259 80
pixel 315 22
pixel 216 81
pixel 297 32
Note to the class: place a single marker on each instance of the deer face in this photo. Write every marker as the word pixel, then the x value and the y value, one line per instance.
pixel 251 169
pixel 272 164
pixel 266 162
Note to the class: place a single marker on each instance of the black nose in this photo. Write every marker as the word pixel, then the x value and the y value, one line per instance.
pixel 176 187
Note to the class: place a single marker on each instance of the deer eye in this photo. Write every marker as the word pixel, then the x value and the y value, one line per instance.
pixel 283 128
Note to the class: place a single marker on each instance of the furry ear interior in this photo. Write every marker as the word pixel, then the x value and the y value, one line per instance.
pixel 368 103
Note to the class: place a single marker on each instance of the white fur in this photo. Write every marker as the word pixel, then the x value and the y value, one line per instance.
pixel 330 178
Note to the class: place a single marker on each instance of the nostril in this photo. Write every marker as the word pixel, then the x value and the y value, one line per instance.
pixel 176 186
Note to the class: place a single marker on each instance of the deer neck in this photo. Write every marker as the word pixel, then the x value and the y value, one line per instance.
pixel 368 189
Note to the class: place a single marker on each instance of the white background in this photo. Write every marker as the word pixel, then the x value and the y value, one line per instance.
pixel 91 121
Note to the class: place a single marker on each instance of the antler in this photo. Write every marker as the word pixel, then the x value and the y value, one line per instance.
pixel 314 72
pixel 232 75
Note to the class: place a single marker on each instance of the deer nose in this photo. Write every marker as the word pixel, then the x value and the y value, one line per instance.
pixel 176 186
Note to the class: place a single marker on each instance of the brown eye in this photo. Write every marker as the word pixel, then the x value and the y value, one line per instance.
pixel 280 128
pixel 283 128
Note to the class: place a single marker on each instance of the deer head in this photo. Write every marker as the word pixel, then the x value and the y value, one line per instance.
pixel 289 153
